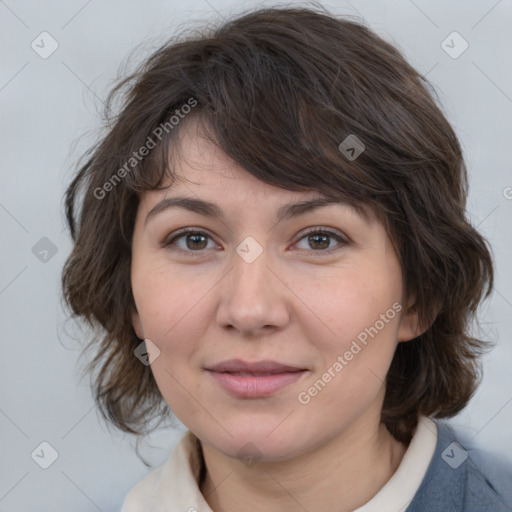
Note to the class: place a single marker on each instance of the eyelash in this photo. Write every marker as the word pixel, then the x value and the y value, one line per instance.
pixel 310 232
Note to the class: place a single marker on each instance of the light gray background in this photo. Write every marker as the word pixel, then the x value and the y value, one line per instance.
pixel 47 104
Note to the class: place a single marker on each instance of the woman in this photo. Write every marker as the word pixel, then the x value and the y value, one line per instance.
pixel 272 236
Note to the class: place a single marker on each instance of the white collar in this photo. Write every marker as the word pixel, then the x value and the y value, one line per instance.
pixel 173 485
pixel 400 489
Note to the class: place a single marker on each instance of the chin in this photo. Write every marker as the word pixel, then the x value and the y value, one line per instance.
pixel 255 443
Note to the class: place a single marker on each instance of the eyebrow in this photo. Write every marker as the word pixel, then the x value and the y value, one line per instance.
pixel 214 211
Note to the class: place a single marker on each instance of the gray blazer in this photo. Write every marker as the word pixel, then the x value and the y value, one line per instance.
pixel 457 481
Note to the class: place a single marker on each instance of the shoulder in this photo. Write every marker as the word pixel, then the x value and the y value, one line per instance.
pixel 481 493
pixel 143 492
pixel 489 480
pixel 460 478
pixel 170 483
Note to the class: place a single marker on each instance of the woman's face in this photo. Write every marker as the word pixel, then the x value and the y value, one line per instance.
pixel 260 332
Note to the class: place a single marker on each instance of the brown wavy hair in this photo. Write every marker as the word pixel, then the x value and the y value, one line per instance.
pixel 278 90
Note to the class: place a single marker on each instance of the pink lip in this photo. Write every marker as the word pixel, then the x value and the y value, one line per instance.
pixel 254 380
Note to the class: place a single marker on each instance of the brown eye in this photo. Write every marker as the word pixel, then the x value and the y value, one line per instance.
pixel 320 241
pixel 194 241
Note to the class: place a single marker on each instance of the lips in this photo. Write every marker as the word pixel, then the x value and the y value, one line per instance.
pixel 258 367
pixel 254 380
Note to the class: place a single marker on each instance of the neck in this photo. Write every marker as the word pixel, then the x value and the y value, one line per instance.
pixel 344 473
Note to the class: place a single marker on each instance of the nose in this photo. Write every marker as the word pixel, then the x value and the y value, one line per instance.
pixel 253 298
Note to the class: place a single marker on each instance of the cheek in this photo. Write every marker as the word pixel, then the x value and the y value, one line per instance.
pixel 350 304
pixel 172 315
pixel 355 341
pixel 354 364
pixel 170 306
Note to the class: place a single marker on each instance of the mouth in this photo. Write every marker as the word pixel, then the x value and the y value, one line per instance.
pixel 254 380
pixel 257 374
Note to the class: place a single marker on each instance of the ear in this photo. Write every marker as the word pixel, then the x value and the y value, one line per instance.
pixel 137 324
pixel 410 327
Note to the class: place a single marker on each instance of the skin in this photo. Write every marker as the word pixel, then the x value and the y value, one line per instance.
pixel 298 303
